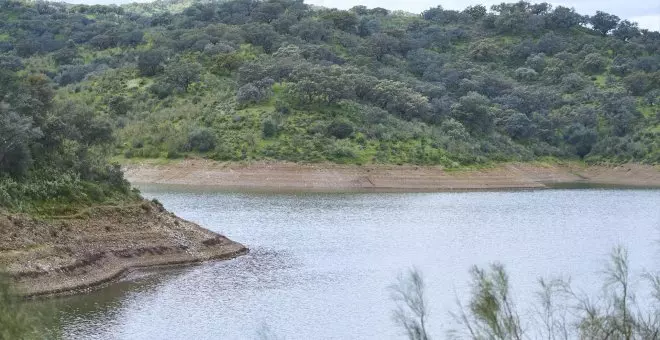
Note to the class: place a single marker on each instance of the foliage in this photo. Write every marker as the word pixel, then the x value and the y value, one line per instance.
pixel 411 312
pixel 17 321
pixel 560 311
pixel 53 152
pixel 279 79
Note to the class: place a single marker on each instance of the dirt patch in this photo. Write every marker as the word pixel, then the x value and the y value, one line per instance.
pixel 68 253
pixel 333 177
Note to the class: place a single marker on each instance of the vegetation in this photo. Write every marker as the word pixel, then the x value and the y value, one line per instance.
pixel 16 320
pixel 559 313
pixel 282 80
pixel 53 154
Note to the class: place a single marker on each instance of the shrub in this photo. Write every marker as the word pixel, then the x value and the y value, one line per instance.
pixel 526 74
pixel 255 92
pixel 341 129
pixel 201 139
pixel 161 89
pixel 593 63
pixel 269 128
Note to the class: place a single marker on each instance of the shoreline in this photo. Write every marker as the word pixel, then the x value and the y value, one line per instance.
pixel 73 254
pixel 118 273
pixel 292 177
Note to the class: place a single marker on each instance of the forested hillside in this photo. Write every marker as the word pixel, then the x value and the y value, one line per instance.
pixel 282 80
pixel 53 154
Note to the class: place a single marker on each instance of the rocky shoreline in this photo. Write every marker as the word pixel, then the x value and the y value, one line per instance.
pixel 64 255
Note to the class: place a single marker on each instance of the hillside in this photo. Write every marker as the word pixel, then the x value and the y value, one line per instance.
pixel 281 80
pixel 68 217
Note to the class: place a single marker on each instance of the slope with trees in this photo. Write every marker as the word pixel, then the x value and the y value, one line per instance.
pixel 282 80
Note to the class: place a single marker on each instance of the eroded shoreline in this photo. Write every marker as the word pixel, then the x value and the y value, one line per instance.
pixel 332 177
pixel 65 255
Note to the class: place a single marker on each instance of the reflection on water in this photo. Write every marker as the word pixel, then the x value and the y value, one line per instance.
pixel 320 263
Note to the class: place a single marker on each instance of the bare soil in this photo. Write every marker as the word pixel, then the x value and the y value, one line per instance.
pixel 333 177
pixel 66 254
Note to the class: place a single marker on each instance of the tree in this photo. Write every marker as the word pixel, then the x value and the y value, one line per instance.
pixel 491 310
pixel 269 128
pixel 420 60
pixel 564 18
pixel 396 98
pixel 65 56
pixel 526 74
pixel 118 105
pixel 181 74
pixel 103 41
pixel 412 310
pixel 223 64
pixel 593 63
pixel 550 43
pixel 340 128
pixel 267 12
pixel 151 62
pixel 604 22
pixel 311 30
pixel 626 30
pixel 317 84
pixel 518 125
pixel 260 34
pixel 255 92
pixel 620 111
pixel 484 51
pixel 638 83
pixel 476 12
pixel 343 20
pixel 536 62
pixel 201 139
pixel 17 133
pixel 381 44
pixel 473 110
pixel 573 82
pixel 582 138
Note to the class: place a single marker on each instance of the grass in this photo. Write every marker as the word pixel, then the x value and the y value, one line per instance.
pixel 601 81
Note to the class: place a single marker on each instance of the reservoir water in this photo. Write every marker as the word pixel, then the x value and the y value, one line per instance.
pixel 320 264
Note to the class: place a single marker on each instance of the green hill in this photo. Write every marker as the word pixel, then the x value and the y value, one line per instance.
pixel 281 80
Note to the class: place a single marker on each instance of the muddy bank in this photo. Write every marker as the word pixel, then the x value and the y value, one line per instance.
pixel 71 253
pixel 332 177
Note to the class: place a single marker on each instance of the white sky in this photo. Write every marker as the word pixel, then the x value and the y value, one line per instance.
pixel 645 12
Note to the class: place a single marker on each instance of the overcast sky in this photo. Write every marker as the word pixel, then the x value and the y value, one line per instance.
pixel 645 12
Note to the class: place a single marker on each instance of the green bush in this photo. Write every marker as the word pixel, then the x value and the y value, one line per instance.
pixel 269 128
pixel 201 139
pixel 341 129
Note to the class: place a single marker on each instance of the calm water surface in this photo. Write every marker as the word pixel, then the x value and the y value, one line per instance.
pixel 320 264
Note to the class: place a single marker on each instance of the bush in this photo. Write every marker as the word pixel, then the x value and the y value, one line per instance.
pixel 526 74
pixel 593 63
pixel 269 128
pixel 201 139
pixel 161 89
pixel 341 129
pixel 255 92
pixel 342 152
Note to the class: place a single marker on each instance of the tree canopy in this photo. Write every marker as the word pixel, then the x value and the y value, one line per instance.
pixel 279 79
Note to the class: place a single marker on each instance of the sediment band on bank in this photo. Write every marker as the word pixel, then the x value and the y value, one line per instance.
pixel 333 177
